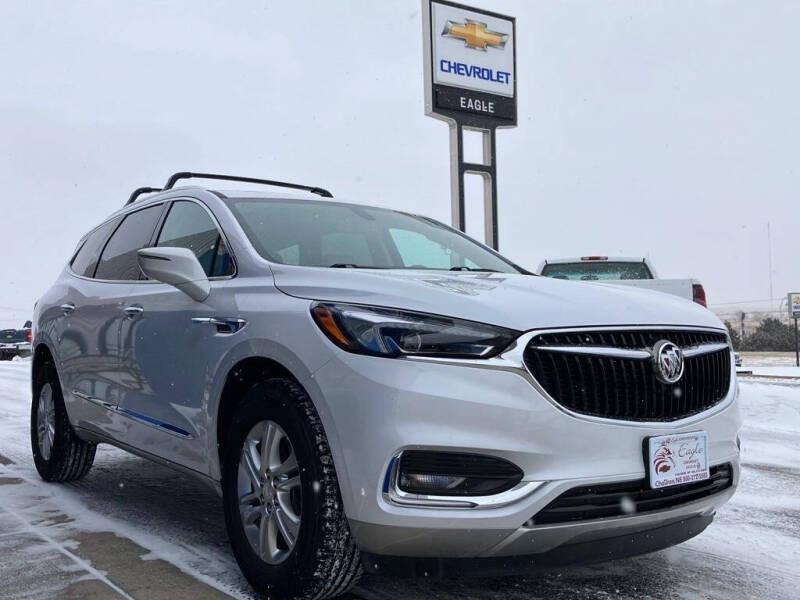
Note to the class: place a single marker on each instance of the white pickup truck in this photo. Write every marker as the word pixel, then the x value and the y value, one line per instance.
pixel 621 270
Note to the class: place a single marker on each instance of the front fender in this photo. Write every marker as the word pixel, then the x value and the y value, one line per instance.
pixel 289 338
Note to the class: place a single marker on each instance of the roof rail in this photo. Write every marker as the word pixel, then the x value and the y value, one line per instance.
pixel 139 191
pixel 187 175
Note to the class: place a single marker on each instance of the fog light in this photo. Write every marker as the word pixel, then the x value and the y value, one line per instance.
pixel 433 483
pixel 455 474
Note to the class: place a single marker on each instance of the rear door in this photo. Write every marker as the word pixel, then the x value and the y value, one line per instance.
pixel 168 357
pixel 89 341
pixel 81 330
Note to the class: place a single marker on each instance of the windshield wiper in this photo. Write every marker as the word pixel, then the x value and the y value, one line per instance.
pixel 354 266
pixel 413 267
pixel 474 269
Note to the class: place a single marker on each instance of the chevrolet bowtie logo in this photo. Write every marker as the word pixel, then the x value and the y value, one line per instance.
pixel 475 34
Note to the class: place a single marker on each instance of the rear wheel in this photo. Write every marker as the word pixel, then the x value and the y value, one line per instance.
pixel 58 453
pixel 282 504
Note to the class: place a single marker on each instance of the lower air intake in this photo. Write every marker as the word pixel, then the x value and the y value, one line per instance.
pixel 628 498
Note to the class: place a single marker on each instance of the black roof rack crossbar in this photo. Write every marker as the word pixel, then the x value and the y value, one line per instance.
pixel 139 191
pixel 187 175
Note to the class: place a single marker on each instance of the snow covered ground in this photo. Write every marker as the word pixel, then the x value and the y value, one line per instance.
pixel 772 371
pixel 769 364
pixel 137 530
pixel 767 359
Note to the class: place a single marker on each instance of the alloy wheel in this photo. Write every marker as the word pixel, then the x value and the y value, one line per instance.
pixel 268 484
pixel 46 421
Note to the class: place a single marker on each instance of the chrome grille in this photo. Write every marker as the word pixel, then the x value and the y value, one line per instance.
pixel 610 373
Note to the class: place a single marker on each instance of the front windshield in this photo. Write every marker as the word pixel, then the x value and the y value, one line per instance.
pixel 328 234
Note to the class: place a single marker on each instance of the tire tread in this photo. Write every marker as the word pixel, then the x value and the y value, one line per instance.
pixel 339 564
pixel 71 458
pixel 335 562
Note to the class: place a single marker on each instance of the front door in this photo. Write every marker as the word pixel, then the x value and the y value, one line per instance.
pixel 170 346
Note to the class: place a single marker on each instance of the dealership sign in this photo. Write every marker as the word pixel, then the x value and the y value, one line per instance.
pixel 470 63
pixel 794 304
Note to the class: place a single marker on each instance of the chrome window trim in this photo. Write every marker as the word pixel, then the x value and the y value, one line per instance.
pixel 82 241
pixel 512 360
pixel 122 216
pixel 394 495
pixel 138 207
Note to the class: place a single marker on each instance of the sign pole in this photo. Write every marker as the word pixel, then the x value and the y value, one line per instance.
pixel 487 170
pixel 457 218
pixel 794 311
pixel 469 59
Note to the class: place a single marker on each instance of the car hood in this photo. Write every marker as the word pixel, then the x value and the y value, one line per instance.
pixel 520 302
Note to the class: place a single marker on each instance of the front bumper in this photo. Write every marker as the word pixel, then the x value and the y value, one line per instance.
pixel 573 553
pixel 376 407
pixel 15 349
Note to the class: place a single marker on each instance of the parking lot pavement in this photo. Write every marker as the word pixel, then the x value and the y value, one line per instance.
pixel 135 529
pixel 44 555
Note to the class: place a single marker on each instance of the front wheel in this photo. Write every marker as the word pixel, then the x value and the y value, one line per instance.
pixel 283 509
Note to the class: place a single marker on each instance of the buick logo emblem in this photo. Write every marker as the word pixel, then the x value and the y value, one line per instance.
pixel 667 361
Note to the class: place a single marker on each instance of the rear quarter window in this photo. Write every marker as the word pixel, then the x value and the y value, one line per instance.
pixel 85 260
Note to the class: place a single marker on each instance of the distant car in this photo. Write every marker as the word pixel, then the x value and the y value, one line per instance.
pixel 737 359
pixel 15 342
pixel 621 270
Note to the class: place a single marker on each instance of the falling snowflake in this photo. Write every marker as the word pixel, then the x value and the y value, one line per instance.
pixel 627 505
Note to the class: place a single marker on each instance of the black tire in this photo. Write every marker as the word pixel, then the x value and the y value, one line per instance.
pixel 325 561
pixel 70 457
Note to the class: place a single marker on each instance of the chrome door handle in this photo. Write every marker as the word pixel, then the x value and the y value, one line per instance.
pixel 67 308
pixel 223 325
pixel 133 311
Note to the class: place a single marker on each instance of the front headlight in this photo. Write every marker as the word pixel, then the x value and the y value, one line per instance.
pixel 392 333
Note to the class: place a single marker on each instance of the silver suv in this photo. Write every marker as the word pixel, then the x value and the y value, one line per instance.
pixel 370 389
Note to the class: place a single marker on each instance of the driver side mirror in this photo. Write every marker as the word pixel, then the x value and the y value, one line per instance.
pixel 178 267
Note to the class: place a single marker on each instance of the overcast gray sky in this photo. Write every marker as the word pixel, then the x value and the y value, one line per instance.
pixel 667 129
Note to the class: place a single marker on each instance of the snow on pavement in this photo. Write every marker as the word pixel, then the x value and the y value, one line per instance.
pixel 773 371
pixel 781 364
pixel 751 550
pixel 767 359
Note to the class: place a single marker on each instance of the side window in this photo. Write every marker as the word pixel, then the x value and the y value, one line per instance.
pixel 119 261
pixel 189 225
pixel 85 259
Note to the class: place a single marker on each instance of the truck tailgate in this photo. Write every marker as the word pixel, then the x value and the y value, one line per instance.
pixel 676 287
